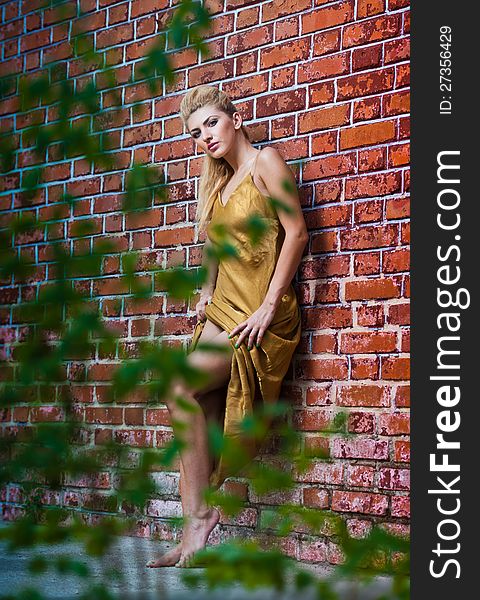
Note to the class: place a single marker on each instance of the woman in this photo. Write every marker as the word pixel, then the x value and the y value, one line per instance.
pixel 247 306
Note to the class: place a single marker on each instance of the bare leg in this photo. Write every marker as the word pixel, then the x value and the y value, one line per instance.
pixel 196 463
pixel 212 405
pixel 200 519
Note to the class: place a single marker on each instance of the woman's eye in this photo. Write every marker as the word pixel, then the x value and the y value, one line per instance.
pixel 212 122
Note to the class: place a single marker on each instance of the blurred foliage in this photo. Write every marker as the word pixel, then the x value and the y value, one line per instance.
pixel 62 326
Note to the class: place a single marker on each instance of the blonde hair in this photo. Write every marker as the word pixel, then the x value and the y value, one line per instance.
pixel 215 171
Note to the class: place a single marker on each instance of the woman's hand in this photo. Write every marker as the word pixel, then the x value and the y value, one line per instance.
pixel 205 298
pixel 255 326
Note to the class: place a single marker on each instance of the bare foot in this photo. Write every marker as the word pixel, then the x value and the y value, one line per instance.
pixel 168 559
pixel 195 535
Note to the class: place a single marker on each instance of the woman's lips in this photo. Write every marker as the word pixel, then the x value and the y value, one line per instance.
pixel 213 146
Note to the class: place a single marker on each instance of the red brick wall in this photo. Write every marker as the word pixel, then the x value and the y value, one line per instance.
pixel 325 82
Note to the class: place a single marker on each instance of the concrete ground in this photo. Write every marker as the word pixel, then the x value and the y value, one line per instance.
pixel 129 555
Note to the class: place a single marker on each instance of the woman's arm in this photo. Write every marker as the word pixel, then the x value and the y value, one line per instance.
pixel 280 183
pixel 210 263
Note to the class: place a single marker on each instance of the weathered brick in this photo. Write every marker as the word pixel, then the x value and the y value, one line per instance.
pixel 359 502
pixel 371 288
pixel 328 16
pixel 370 31
pixel 363 395
pixel 365 135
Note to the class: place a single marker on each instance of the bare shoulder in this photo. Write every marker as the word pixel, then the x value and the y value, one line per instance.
pixel 270 156
pixel 272 169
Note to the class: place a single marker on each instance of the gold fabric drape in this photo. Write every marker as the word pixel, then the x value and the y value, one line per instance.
pixel 241 287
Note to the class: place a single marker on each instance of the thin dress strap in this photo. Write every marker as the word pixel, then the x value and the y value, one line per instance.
pixel 252 170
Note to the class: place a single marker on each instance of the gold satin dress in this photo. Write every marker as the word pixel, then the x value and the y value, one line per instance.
pixel 241 286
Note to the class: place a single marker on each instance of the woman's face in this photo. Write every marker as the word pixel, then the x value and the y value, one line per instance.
pixel 213 130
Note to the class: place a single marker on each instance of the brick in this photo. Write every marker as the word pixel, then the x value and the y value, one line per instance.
pixel 400 506
pixel 282 102
pixel 89 22
pixel 282 78
pixel 142 134
pixel 366 212
pixel 211 72
pixel 397 208
pixel 367 58
pixel 105 416
pixel 402 75
pixel 401 451
pixel 365 84
pixel 395 261
pixel 330 216
pixel 360 475
pixel 134 437
pixel 314 497
pixel 360 448
pixel 366 263
pixel 327 317
pixel 397 50
pixel 359 502
pixel 372 315
pixel 288 52
pixel 368 342
pixel 384 27
pixel 45 414
pixel 281 8
pixel 395 368
pixel 323 143
pixel 327 191
pixel 318 396
pixel 366 109
pixel 145 7
pixel 373 185
pixel 396 4
pixel 361 422
pixel 365 368
pixel 321 93
pixel 144 219
pixel 326 42
pixel 37 39
pixel 322 472
pixel 370 236
pixel 312 419
pixel 396 103
pixel 317 446
pixel 323 68
pixel 329 16
pixel 329 166
pixel 363 395
pixel 287 28
pixel 334 265
pixel 365 135
pixel 247 40
pixel 402 396
pixel 368 289
pixel 325 241
pixel 399 155
pixel 322 369
pixel 173 236
pixel 324 343
pixel 394 424
pixel 324 118
pixel 394 479
pixel 114 35
pixel 367 8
